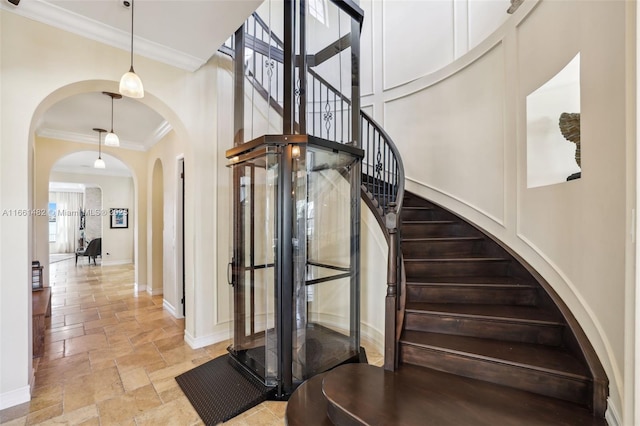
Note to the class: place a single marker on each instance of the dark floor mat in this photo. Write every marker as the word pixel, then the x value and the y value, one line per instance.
pixel 218 390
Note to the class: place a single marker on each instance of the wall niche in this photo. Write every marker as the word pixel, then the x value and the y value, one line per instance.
pixel 553 129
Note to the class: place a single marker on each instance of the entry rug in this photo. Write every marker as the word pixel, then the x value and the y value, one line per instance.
pixel 218 390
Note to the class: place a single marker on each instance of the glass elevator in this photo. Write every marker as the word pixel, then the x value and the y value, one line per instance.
pixel 295 266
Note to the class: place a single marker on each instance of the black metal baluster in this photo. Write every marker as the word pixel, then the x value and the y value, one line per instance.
pixel 335 112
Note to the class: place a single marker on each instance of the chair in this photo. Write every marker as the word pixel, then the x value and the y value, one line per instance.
pixel 93 250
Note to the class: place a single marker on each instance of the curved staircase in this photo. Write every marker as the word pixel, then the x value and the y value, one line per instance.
pixel 484 340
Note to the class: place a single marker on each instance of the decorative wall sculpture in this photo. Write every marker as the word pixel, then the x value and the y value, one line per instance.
pixel 570 128
pixel 515 4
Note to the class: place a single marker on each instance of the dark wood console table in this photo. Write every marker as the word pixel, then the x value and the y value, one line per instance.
pixel 41 308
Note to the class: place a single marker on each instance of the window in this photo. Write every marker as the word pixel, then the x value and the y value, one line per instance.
pixel 53 224
pixel 317 9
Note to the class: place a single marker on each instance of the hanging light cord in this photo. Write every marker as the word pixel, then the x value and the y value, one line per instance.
pixel 132 2
pixel 100 145
pixel 111 113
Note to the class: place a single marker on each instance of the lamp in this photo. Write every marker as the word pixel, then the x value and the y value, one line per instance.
pixel 112 139
pixel 99 163
pixel 130 83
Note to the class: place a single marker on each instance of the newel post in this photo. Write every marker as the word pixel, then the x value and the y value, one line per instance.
pixel 391 303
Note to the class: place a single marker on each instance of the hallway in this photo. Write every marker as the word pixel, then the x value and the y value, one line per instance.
pixel 111 357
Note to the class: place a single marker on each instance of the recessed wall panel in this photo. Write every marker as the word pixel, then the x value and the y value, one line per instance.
pixel 485 16
pixel 451 136
pixel 418 39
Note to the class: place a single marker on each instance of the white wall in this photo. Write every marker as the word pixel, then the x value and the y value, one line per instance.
pixel 461 129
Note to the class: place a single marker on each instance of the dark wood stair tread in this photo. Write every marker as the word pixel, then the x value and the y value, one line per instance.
pixel 529 314
pixel 441 239
pixel 543 358
pixel 446 258
pixel 495 280
pixel 418 208
pixel 307 406
pixel 367 395
pixel 430 222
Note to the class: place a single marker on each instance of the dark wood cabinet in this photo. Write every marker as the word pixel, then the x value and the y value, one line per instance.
pixel 41 309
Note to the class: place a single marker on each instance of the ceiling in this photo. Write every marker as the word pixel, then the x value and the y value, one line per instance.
pixel 182 33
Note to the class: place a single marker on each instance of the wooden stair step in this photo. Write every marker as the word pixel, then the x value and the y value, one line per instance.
pixel 307 406
pixel 413 213
pixel 488 280
pixel 543 358
pixel 482 290
pixel 436 228
pixel 417 269
pixel 440 246
pixel 526 324
pixel 361 394
pixel 411 201
pixel 540 369
pixel 497 312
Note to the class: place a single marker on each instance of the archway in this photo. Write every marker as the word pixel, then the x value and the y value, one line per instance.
pixel 135 161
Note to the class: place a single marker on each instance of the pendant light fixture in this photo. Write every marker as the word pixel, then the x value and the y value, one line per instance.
pixel 130 83
pixel 112 139
pixel 99 163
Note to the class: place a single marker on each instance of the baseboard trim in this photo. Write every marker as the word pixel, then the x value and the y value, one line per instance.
pixel 170 308
pixel 116 262
pixel 156 292
pixel 210 339
pixel 611 415
pixel 15 397
pixel 373 336
pixel 139 287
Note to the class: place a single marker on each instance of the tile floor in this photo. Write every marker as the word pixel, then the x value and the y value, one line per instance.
pixel 111 357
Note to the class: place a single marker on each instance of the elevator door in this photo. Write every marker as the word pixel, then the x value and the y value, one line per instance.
pixel 254 208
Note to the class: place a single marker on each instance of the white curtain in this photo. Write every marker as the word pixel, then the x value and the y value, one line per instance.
pixel 68 205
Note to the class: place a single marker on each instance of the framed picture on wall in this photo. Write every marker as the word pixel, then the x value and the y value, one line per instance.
pixel 119 218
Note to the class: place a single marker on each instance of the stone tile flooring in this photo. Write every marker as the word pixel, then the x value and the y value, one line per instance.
pixel 111 357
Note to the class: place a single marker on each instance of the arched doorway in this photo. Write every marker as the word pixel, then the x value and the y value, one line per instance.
pixel 156 276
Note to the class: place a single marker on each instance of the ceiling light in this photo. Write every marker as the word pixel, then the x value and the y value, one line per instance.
pixel 112 139
pixel 99 163
pixel 130 83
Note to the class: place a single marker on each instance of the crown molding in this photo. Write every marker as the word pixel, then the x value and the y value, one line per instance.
pixel 163 129
pixel 63 19
pixel 84 138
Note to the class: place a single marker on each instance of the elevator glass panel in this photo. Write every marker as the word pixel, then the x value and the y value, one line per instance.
pixel 324 333
pixel 253 264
